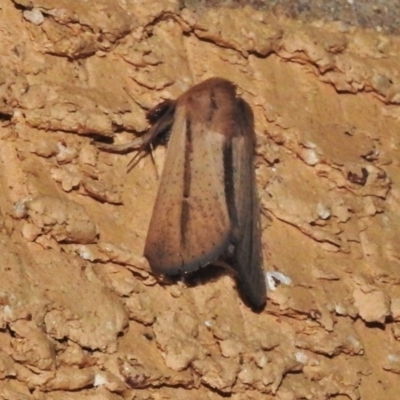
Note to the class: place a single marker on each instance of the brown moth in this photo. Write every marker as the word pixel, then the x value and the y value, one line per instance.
pixel 207 206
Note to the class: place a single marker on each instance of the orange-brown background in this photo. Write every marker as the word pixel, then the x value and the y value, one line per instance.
pixel 81 316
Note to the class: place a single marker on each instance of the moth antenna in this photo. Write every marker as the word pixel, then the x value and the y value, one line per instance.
pixel 151 151
pixel 136 158
pixel 156 168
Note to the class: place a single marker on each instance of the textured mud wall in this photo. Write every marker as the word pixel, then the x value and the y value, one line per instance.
pixel 81 316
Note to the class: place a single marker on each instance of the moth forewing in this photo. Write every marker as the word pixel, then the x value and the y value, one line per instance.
pixel 190 225
pixel 248 258
pixel 162 246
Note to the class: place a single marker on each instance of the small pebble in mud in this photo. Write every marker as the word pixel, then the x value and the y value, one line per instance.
pixel 35 16
pixel 19 210
pixel 323 211
pixel 309 156
pixel 85 253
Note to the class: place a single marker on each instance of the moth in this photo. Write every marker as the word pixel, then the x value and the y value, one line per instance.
pixel 206 207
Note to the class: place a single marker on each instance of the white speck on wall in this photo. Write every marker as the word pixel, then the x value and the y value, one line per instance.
pixel 20 210
pixel 301 357
pixel 323 211
pixel 85 253
pixel 393 358
pixel 110 326
pixel 272 277
pixel 310 156
pixel 340 309
pixel 99 380
pixel 8 310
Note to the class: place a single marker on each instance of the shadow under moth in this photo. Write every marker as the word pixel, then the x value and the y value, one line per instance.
pixel 207 206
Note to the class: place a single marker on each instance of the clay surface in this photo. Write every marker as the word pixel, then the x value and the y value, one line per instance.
pixel 81 315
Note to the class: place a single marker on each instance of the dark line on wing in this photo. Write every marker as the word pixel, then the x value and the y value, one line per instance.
pixel 187 180
pixel 229 187
pixel 213 106
pixel 245 120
